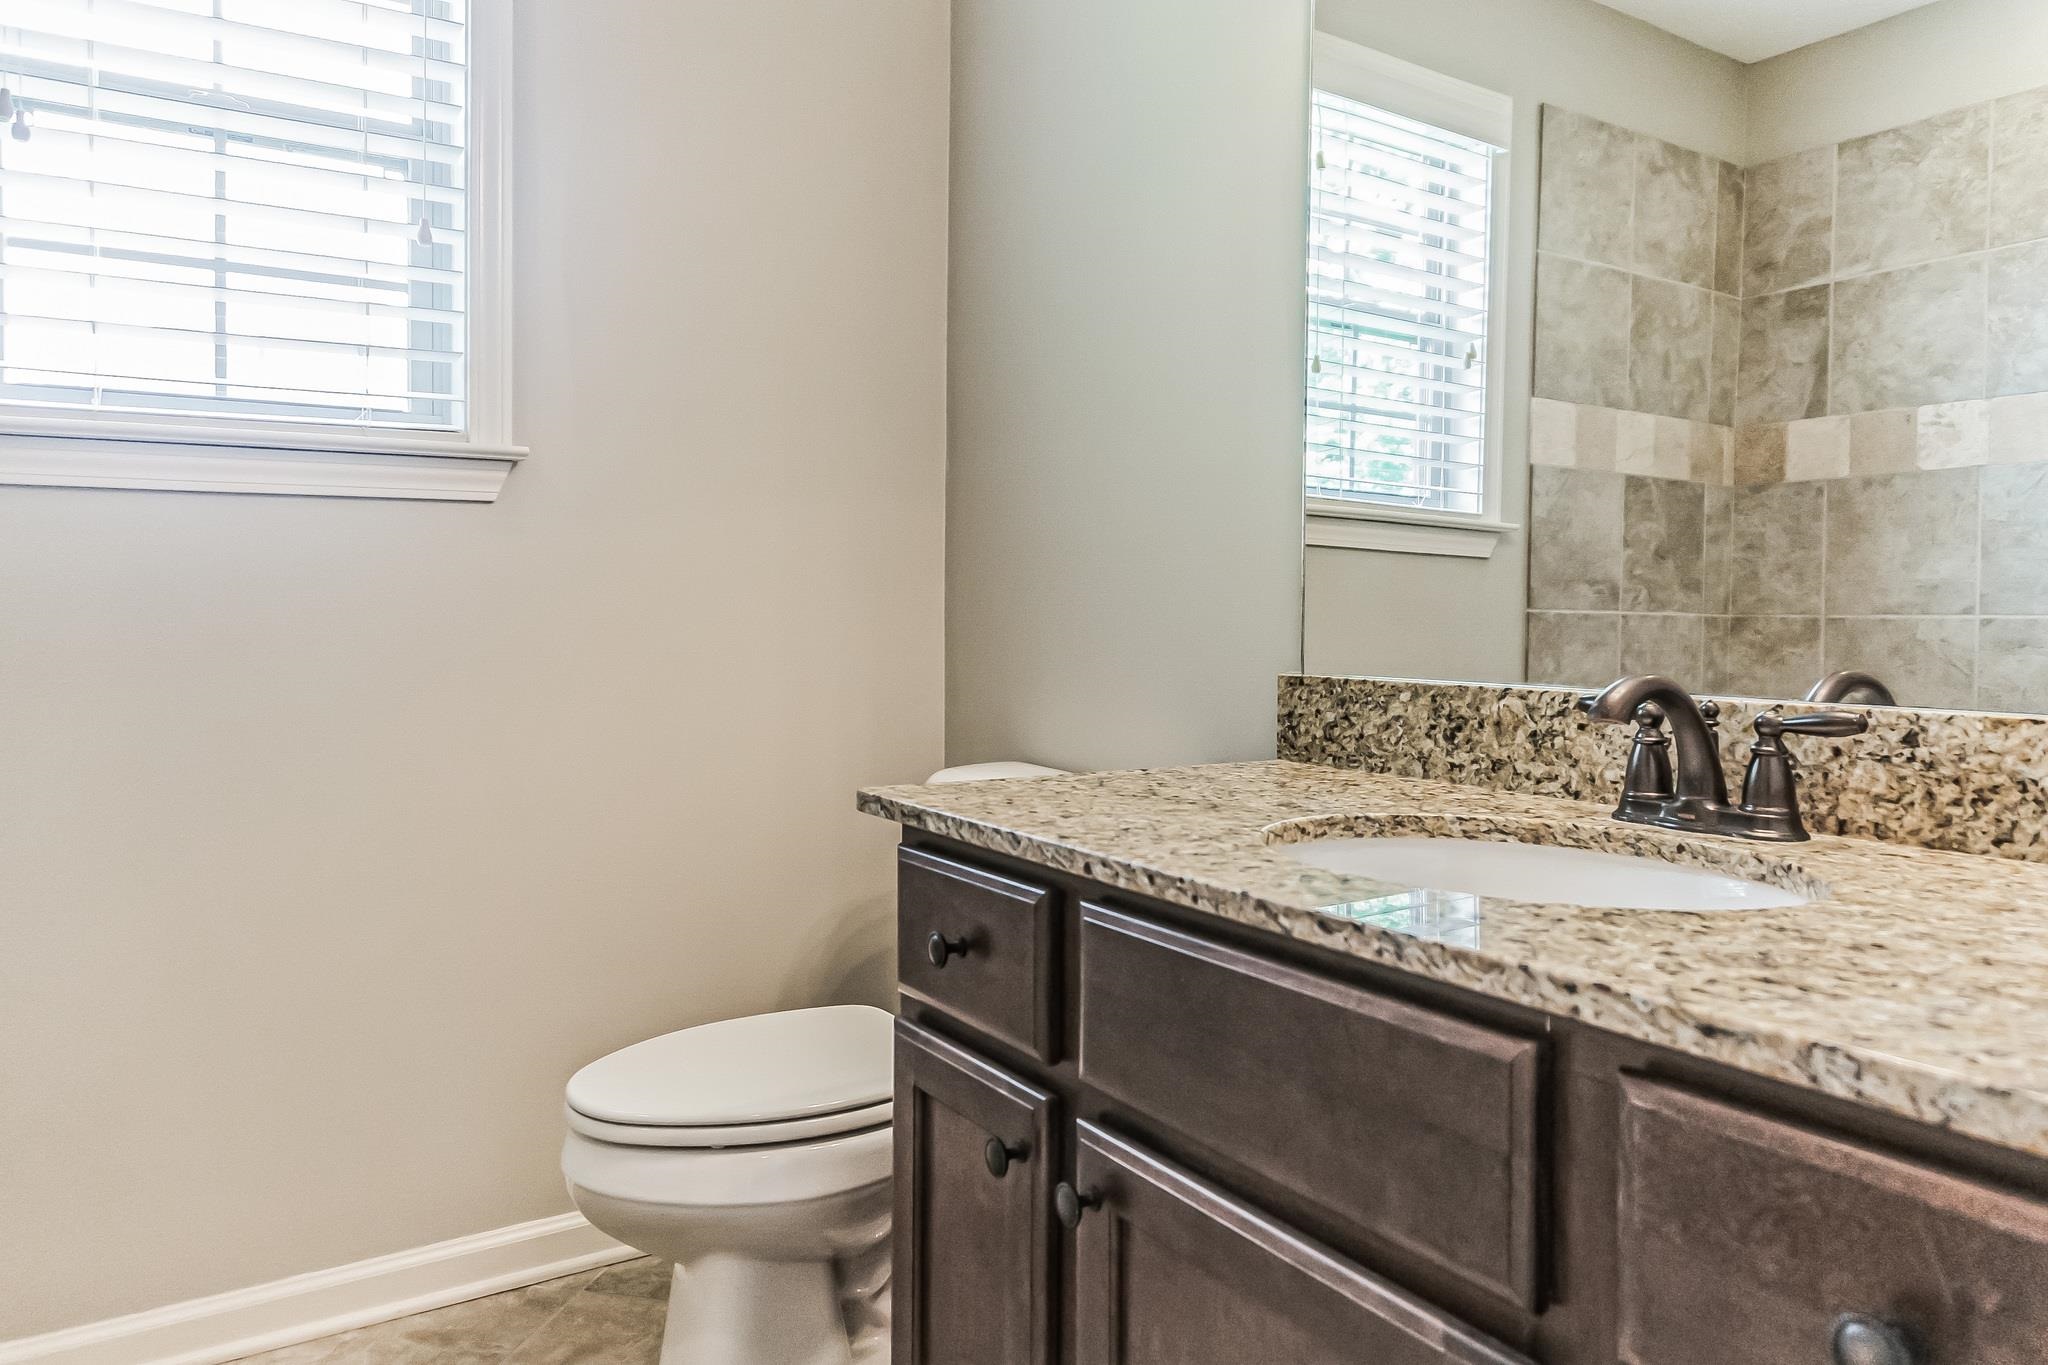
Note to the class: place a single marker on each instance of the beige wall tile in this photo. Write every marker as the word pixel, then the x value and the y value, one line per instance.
pixel 2014 541
pixel 1775 562
pixel 1663 546
pixel 2019 169
pixel 2012 664
pixel 1788 222
pixel 1759 455
pixel 1717 549
pixel 1817 448
pixel 1635 442
pixel 1763 656
pixel 2018 428
pixel 2016 325
pixel 1727 359
pixel 1583 319
pixel 1575 535
pixel 1909 337
pixel 1574 649
pixel 1598 429
pixel 1953 435
pixel 1728 229
pixel 1884 442
pixel 1917 193
pixel 1676 192
pixel 1553 432
pixel 1674 448
pixel 1903 544
pixel 1584 207
pixel 1925 660
pixel 1671 349
pixel 1783 366
pixel 1673 645
pixel 1706 453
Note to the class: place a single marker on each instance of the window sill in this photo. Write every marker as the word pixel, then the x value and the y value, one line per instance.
pixel 89 453
pixel 1393 531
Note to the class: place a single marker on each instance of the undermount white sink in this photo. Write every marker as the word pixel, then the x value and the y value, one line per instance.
pixel 1541 873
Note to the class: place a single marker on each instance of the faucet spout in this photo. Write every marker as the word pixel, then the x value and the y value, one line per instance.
pixel 1699 775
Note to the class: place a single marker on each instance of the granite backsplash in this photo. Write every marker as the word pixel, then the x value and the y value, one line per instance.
pixel 1967 782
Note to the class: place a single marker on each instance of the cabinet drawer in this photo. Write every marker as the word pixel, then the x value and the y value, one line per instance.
pixel 1170 1270
pixel 979 946
pixel 1744 1240
pixel 1417 1128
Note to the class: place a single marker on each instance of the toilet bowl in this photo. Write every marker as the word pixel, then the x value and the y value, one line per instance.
pixel 755 1154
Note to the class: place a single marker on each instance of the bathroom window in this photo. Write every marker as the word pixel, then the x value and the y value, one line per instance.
pixel 254 245
pixel 1405 228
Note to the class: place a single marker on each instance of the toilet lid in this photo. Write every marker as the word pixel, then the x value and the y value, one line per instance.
pixel 757 1069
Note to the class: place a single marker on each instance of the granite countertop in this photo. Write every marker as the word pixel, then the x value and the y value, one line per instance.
pixel 1916 983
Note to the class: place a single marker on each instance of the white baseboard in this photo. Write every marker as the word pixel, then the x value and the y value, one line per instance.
pixel 265 1317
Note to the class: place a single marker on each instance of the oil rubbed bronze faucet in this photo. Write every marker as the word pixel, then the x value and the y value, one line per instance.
pixel 1692 792
pixel 1852 687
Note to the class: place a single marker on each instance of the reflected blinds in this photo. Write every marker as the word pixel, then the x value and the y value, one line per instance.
pixel 1399 227
pixel 245 209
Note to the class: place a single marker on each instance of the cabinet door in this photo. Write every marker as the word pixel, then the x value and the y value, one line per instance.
pixel 1749 1241
pixel 975 1151
pixel 1172 1271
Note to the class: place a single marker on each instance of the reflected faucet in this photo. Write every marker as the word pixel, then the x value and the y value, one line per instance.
pixel 1853 687
pixel 1692 793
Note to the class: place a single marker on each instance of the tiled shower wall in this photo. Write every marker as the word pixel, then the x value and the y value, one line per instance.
pixel 1878 502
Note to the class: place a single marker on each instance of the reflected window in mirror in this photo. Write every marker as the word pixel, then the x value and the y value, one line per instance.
pixel 1406 223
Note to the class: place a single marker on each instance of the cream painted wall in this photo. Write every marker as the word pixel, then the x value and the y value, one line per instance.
pixel 1124 503
pixel 1412 615
pixel 334 835
pixel 1926 61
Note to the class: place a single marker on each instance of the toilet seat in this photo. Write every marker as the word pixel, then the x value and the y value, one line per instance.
pixel 732 1135
pixel 756 1081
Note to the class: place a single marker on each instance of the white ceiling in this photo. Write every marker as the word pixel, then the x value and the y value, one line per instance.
pixel 1751 30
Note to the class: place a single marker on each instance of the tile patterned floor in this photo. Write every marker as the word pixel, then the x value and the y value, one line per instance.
pixel 611 1316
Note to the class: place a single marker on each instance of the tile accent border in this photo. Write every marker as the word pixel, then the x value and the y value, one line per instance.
pixel 264 1317
pixel 1582 436
pixel 1961 781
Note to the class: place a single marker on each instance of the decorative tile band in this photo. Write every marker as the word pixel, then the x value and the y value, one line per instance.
pixel 1968 782
pixel 1580 436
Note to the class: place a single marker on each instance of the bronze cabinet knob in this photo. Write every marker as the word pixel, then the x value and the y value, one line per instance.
pixel 999 1155
pixel 1863 1340
pixel 942 950
pixel 1070 1204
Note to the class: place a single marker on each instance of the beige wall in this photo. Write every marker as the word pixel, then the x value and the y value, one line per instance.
pixel 1373 612
pixel 1124 514
pixel 1925 61
pixel 334 835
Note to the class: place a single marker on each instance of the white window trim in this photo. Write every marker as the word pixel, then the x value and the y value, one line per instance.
pixel 1371 77
pixel 110 450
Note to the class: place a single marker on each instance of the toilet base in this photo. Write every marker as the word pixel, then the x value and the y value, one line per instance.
pixel 732 1310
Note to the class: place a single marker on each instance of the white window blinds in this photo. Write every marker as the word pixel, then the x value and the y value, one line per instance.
pixel 1398 285
pixel 236 209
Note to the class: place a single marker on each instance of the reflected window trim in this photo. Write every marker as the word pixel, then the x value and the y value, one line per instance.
pixel 1459 110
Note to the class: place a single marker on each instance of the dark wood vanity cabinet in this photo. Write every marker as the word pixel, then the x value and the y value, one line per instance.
pixel 1135 1135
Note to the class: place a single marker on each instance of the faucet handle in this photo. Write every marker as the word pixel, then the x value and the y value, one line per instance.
pixel 1770 790
pixel 1649 758
pixel 1830 724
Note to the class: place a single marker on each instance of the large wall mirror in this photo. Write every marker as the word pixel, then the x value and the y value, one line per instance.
pixel 1682 336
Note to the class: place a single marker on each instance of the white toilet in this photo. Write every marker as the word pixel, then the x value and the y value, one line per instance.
pixel 755 1154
